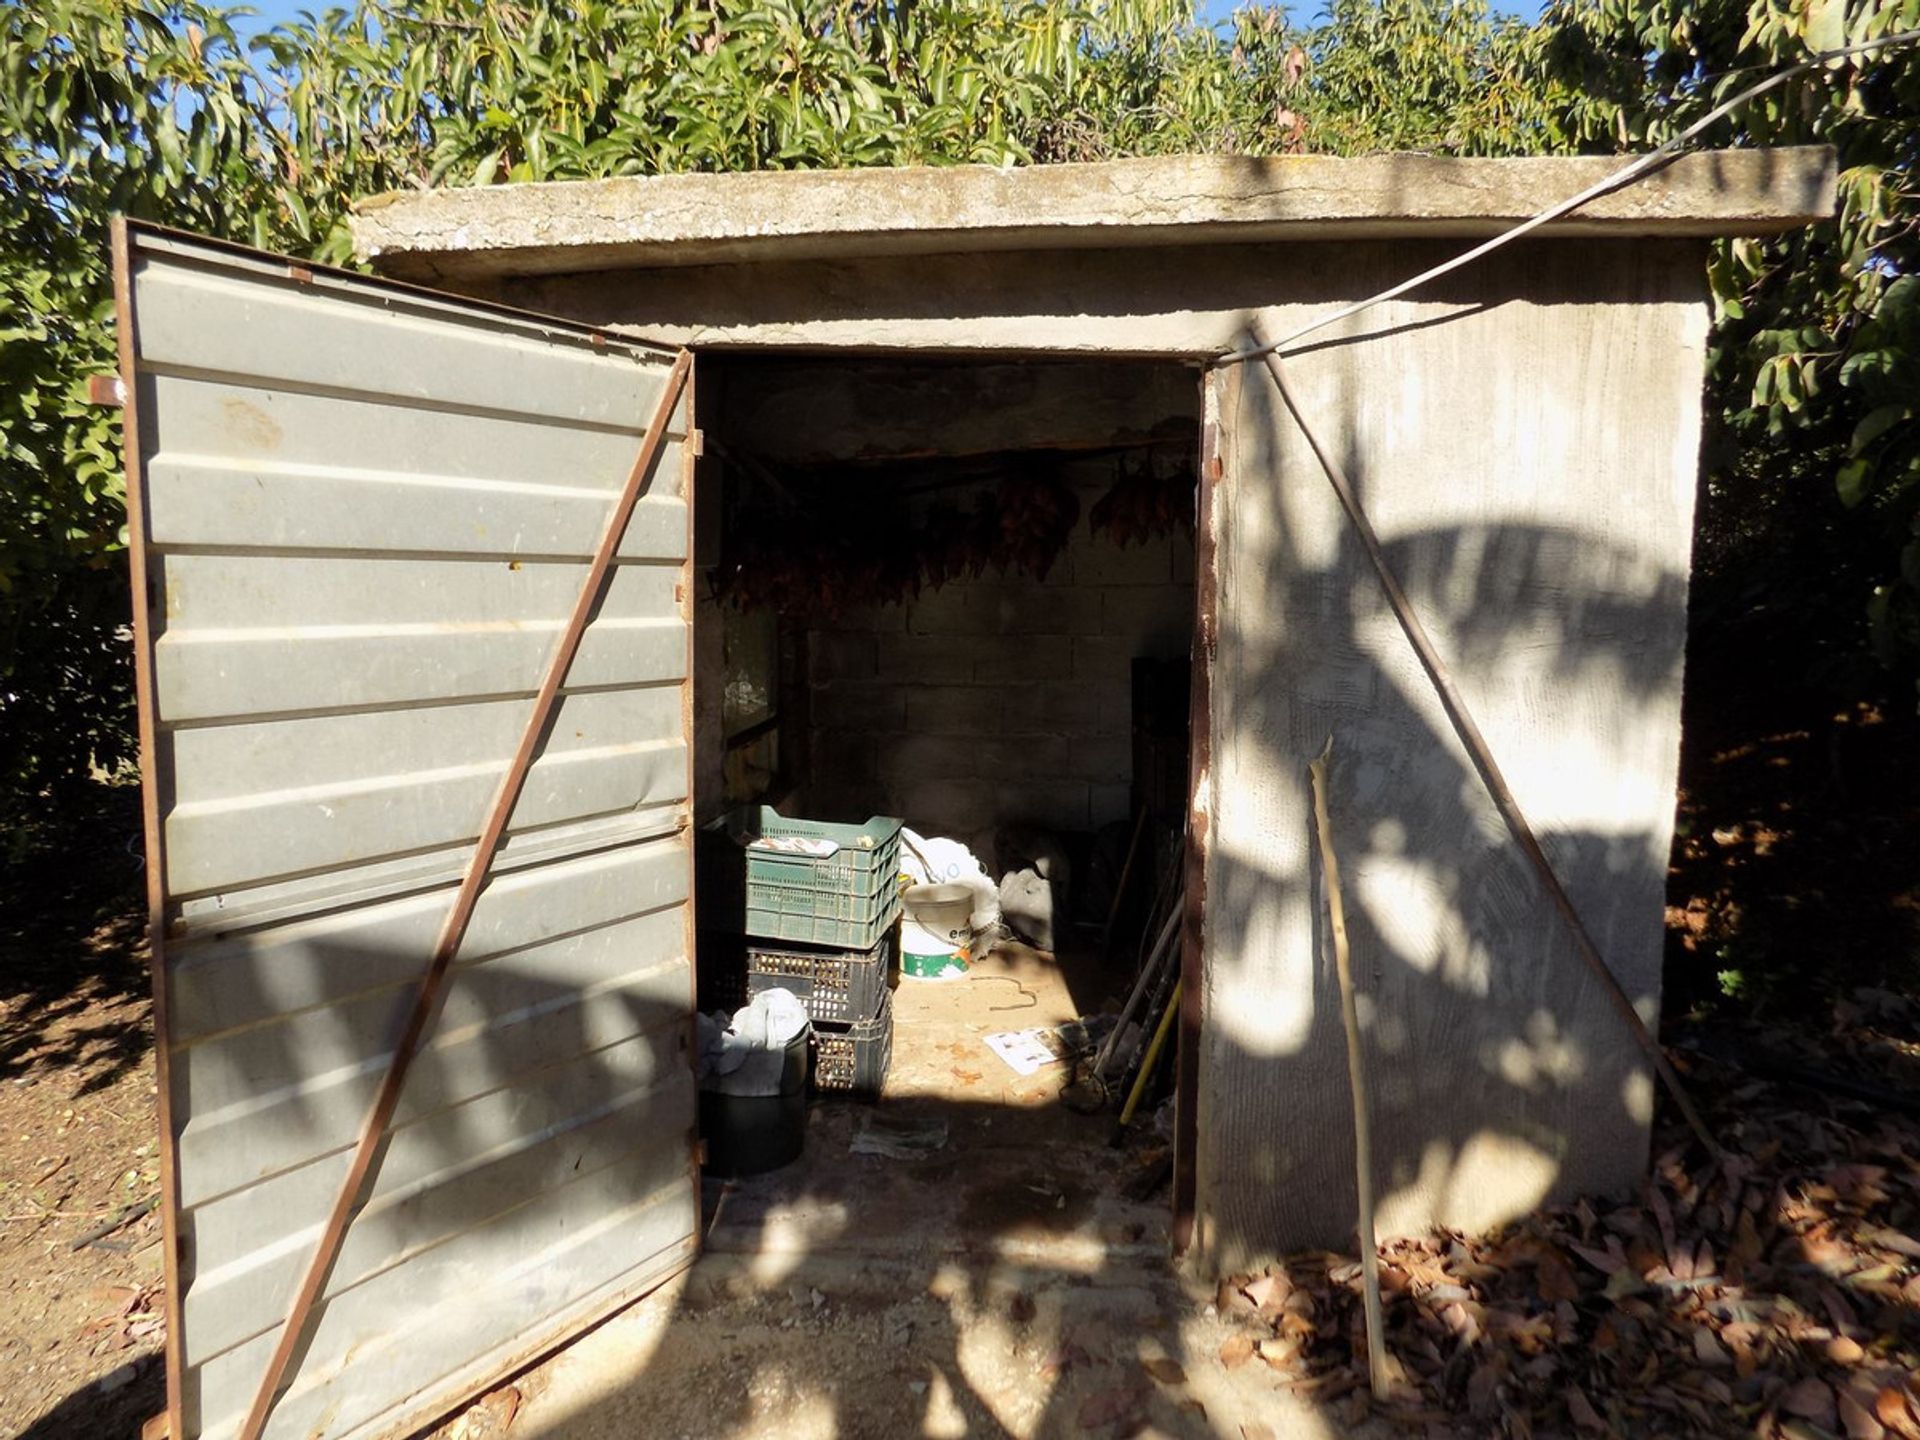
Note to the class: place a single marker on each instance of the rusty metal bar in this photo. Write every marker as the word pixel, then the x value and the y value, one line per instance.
pixel 1482 755
pixel 153 835
pixel 426 998
pixel 1193 938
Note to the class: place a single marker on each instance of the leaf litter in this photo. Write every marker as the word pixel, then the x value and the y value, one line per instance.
pixel 1772 1292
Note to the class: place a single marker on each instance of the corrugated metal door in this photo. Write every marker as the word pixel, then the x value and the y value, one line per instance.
pixel 361 516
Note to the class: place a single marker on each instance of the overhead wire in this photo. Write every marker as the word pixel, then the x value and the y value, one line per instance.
pixel 1626 175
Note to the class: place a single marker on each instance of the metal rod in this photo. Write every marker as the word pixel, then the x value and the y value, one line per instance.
pixel 146 693
pixel 1356 1078
pixel 426 998
pixel 1636 169
pixel 1120 886
pixel 1483 761
pixel 1153 1057
pixel 1142 983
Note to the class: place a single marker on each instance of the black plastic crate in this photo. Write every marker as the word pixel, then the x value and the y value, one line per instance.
pixel 851 1057
pixel 833 984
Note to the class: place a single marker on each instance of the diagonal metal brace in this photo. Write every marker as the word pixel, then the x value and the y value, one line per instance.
pixel 1482 755
pixel 426 999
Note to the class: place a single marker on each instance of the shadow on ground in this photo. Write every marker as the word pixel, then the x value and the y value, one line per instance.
pixel 72 949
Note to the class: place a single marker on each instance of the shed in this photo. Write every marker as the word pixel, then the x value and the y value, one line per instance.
pixel 363 510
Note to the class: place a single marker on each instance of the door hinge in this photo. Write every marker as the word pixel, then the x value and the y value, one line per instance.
pixel 696 443
pixel 107 390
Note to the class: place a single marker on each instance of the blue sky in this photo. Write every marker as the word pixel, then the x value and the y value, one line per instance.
pixel 272 11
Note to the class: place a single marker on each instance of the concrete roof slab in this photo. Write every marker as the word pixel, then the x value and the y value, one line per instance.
pixel 651 221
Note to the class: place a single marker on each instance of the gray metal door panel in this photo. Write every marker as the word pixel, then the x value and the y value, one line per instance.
pixel 362 514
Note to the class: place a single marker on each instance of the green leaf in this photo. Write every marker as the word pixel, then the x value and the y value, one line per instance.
pixel 1852 482
pixel 1875 424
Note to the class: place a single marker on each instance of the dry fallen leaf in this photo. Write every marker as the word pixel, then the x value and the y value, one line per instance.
pixel 1890 1409
pixel 1710 1351
pixel 1269 1292
pixel 1280 1354
pixel 1810 1399
pixel 1167 1372
pixel 1858 1420
pixel 1582 1411
pixel 1237 1350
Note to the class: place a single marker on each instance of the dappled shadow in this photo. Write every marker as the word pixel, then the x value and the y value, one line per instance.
pixel 1500 1077
pixel 73 974
pixel 1013 1282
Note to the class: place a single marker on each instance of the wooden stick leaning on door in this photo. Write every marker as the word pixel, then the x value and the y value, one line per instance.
pixel 1356 1076
pixel 426 999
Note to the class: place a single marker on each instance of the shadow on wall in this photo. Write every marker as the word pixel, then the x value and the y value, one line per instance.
pixel 1500 1075
pixel 541 1153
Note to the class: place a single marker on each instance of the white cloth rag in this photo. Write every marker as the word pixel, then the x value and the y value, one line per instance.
pixel 747 1053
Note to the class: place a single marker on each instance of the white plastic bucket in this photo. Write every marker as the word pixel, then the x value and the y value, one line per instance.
pixel 936 930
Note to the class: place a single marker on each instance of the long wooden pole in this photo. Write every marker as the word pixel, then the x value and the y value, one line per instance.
pixel 1482 756
pixel 1357 1078
pixel 426 998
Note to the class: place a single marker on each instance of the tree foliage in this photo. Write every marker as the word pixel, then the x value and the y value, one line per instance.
pixel 104 108
pixel 162 111
pixel 1811 529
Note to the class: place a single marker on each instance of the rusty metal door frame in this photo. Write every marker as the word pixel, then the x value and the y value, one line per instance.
pixel 1193 925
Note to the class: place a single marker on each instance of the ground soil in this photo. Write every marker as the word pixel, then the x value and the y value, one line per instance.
pixel 80 1330
pixel 1009 1281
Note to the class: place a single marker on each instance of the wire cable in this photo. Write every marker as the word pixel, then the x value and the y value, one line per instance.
pixel 1626 175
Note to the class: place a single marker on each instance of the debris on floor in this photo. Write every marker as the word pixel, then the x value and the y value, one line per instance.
pixel 897 1138
pixel 1031 1050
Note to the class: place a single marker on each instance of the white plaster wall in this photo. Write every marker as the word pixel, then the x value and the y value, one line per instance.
pixel 1530 466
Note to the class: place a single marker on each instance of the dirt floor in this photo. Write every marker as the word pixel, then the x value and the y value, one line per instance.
pixel 80 1330
pixel 1012 1280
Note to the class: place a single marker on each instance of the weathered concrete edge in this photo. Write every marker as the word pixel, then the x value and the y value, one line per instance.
pixel 661 220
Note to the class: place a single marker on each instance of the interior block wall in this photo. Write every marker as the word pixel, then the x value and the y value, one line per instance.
pixel 999 699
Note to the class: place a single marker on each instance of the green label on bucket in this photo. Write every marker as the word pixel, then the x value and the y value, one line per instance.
pixel 932 967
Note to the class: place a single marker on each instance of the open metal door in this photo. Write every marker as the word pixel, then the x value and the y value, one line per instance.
pixel 362 517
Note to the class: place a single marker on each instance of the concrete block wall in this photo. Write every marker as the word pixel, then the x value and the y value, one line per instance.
pixel 999 699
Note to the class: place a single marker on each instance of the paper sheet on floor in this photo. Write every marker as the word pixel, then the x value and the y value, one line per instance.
pixel 1028 1051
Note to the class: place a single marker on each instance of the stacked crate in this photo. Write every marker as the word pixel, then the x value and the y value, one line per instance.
pixel 825 927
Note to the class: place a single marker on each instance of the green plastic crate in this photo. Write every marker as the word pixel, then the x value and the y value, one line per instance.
pixel 867 862
pixel 862 929
pixel 848 899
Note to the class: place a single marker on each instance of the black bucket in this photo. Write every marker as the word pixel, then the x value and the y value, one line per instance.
pixel 752 1134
